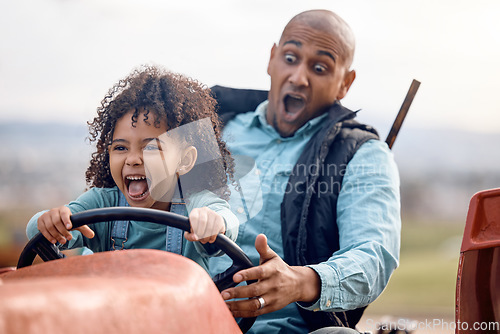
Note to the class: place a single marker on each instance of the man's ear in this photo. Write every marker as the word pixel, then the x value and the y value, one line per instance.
pixel 273 51
pixel 189 156
pixel 346 84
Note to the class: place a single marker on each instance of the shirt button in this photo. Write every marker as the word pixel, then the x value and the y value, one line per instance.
pixel 278 141
pixel 328 303
pixel 257 172
pixel 240 210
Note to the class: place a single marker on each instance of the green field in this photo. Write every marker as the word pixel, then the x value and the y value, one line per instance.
pixel 424 283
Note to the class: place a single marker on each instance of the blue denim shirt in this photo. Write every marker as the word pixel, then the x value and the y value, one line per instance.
pixel 368 217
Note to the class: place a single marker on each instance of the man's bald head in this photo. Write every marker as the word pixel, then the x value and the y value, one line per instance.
pixel 330 23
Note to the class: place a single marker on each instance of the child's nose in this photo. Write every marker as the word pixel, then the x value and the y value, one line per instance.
pixel 134 159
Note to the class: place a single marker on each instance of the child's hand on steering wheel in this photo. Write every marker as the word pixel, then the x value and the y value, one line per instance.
pixel 206 224
pixel 56 223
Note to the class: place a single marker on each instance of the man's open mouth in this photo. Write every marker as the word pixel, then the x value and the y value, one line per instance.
pixel 293 104
pixel 137 187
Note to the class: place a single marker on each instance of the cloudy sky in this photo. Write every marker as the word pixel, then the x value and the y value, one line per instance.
pixel 58 58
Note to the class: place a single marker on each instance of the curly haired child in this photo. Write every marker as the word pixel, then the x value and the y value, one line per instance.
pixel 130 130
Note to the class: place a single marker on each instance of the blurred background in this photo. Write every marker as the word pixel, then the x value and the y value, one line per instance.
pixel 58 58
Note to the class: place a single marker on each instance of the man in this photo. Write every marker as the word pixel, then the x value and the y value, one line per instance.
pixel 327 237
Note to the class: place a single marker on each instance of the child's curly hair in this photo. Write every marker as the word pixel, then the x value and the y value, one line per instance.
pixel 160 96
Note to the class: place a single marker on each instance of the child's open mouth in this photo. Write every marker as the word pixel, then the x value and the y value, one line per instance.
pixel 137 187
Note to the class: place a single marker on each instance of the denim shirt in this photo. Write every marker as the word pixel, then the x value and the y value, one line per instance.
pixel 342 277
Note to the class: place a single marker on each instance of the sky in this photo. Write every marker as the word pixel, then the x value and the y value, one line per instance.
pixel 58 58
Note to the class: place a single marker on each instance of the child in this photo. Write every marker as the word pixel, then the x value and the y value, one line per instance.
pixel 131 137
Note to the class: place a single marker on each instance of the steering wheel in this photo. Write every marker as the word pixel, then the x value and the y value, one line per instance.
pixel 40 246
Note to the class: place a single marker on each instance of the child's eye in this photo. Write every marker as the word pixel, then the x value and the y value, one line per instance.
pixel 151 147
pixel 118 148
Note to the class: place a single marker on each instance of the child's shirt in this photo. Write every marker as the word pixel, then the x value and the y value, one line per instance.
pixel 144 235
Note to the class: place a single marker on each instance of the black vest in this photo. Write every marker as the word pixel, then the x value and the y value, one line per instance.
pixel 309 207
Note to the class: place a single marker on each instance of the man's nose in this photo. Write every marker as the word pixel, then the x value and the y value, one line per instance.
pixel 299 75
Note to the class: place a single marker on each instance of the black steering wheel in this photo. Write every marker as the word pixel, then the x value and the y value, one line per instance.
pixel 40 246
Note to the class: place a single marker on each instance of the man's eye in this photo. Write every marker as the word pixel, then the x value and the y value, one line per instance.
pixel 289 58
pixel 319 68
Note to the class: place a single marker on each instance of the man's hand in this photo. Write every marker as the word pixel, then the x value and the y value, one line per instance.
pixel 278 284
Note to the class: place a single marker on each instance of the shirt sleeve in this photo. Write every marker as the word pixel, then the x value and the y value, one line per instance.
pixel 217 204
pixel 369 222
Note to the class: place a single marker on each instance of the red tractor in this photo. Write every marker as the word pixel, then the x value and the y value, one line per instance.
pixel 129 291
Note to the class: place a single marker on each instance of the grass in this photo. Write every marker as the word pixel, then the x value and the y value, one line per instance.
pixel 424 284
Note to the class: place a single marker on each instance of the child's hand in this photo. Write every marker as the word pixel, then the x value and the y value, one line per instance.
pixel 205 225
pixel 56 223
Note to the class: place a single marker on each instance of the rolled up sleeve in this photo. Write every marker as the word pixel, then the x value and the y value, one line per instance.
pixel 369 222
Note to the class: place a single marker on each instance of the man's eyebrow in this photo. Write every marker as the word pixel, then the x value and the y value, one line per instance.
pixel 326 53
pixel 294 42
pixel 320 52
